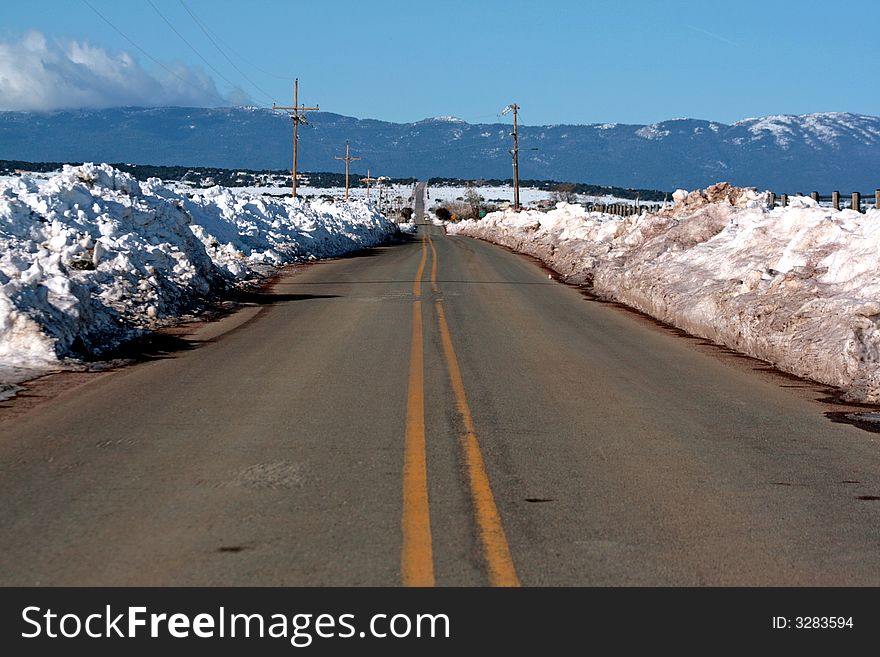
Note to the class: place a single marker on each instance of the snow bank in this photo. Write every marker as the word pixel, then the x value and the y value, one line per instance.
pixel 90 257
pixel 795 286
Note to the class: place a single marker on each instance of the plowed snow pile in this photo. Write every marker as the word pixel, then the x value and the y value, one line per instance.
pixel 90 257
pixel 798 286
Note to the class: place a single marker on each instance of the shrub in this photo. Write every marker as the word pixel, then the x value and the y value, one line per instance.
pixel 564 192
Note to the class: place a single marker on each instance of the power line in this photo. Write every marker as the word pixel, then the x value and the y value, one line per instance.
pixel 466 147
pixel 233 51
pixel 148 55
pixel 204 29
pixel 297 114
pixel 369 179
pixel 348 158
pixel 515 152
pixel 182 38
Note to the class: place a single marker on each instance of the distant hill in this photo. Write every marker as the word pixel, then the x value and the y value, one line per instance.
pixel 785 153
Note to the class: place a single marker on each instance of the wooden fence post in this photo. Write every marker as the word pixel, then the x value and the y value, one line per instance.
pixel 877 199
pixel 772 201
pixel 856 203
pixel 835 200
pixel 783 200
pixel 815 196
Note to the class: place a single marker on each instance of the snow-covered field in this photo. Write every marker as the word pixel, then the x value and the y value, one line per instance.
pixel 798 286
pixel 504 193
pixel 435 196
pixel 89 257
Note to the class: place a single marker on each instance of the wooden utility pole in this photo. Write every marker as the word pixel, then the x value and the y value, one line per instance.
pixel 295 113
pixel 513 107
pixel 348 159
pixel 379 182
pixel 368 180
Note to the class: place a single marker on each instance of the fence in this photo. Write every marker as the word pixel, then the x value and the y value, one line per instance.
pixel 623 209
pixel 857 200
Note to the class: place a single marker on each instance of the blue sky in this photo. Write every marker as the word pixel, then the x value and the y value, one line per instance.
pixel 620 61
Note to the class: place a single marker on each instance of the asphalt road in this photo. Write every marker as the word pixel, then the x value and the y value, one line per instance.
pixel 434 412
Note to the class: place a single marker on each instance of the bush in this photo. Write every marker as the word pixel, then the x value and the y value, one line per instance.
pixel 565 192
pixel 474 202
pixel 459 210
pixel 443 214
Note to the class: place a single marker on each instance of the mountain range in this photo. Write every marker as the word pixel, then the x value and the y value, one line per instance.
pixel 785 153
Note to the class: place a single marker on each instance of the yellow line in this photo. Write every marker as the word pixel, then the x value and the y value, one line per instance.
pixel 495 547
pixel 433 263
pixel 417 565
pixel 416 559
pixel 417 284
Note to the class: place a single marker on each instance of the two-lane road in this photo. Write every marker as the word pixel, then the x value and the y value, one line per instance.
pixel 434 412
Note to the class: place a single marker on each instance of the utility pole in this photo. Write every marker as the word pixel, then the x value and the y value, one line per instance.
pixel 379 182
pixel 295 113
pixel 368 180
pixel 348 159
pixel 513 107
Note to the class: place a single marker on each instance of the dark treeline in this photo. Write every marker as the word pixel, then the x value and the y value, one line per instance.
pixel 208 176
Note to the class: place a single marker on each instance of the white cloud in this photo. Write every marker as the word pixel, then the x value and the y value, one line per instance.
pixel 36 74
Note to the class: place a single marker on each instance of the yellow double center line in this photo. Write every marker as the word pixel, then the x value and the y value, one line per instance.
pixel 416 559
pixel 417 565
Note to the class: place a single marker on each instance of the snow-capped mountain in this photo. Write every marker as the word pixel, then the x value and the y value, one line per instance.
pixel 786 153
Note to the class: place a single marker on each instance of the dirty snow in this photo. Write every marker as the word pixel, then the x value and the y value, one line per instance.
pixel 89 257
pixel 796 286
